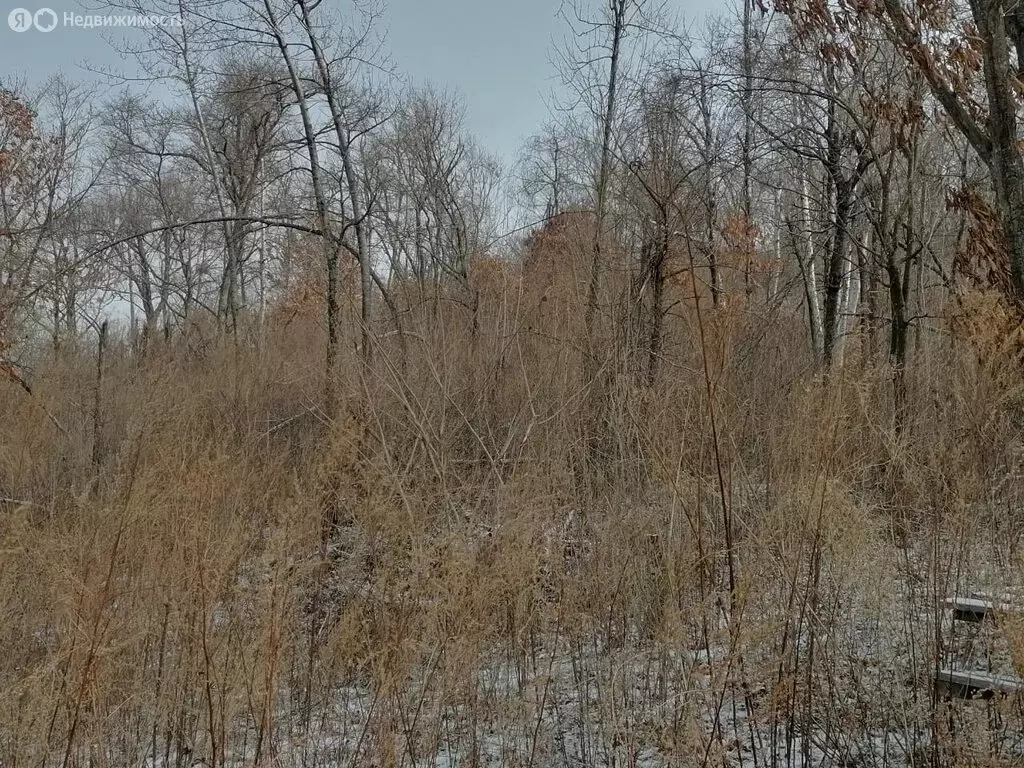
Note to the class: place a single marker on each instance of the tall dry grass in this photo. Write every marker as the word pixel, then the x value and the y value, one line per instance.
pixel 742 564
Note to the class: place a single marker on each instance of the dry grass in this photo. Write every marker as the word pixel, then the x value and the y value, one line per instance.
pixel 747 568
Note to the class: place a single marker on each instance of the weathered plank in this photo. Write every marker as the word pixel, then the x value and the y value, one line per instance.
pixel 973 684
pixel 975 609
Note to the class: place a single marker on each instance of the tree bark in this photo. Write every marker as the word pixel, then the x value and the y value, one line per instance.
pixel 748 139
pixel 1005 162
pixel 618 9
pixel 345 149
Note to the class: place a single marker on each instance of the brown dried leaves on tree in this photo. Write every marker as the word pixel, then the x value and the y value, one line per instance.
pixel 982 259
pixel 988 316
pixel 22 160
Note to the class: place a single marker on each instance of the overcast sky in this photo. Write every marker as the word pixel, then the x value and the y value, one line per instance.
pixel 495 53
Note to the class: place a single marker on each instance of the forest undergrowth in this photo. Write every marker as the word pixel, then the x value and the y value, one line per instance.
pixel 482 559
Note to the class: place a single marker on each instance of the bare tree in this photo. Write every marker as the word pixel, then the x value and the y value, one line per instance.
pixel 662 162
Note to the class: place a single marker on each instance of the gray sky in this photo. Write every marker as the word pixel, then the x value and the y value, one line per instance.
pixel 496 54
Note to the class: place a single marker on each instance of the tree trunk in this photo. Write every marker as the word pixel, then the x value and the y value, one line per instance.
pixel 844 187
pixel 997 147
pixel 1005 163
pixel 868 288
pixel 660 256
pixel 834 270
pixel 807 273
pixel 897 336
pixel 748 138
pixel 320 201
pixel 618 8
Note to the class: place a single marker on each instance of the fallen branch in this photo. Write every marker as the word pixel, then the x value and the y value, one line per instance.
pixel 9 502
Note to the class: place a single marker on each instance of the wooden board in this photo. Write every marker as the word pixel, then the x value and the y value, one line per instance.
pixel 972 684
pixel 974 609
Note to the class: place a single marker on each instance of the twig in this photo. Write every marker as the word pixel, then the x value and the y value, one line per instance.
pixel 10 369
